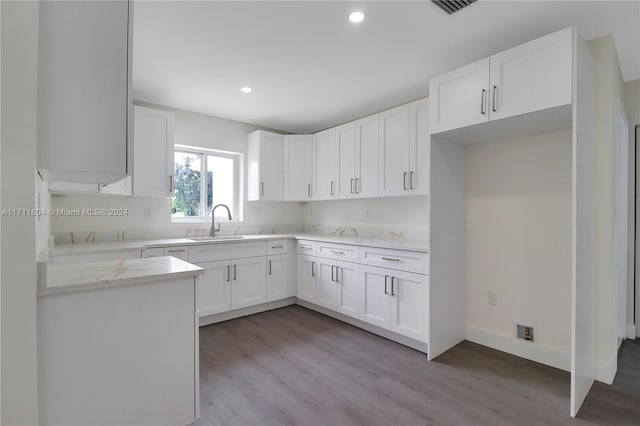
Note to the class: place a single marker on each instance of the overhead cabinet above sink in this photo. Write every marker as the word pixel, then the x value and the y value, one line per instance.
pixel 84 107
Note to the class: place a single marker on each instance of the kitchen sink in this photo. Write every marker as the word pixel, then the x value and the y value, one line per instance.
pixel 218 238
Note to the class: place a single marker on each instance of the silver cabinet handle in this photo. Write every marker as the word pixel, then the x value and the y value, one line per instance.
pixel 404 180
pixel 177 251
pixel 235 275
pixel 333 269
pixel 261 189
pixel 332 188
pixel 351 187
pixel 482 102
pixel 386 278
pixel 170 184
pixel 338 274
pixel 390 259
pixel 357 185
pixel 313 269
pixel 341 253
pixel 411 180
pixel 228 273
pixel 309 190
pixel 269 267
pixel 494 107
pixel 393 286
pixel 275 247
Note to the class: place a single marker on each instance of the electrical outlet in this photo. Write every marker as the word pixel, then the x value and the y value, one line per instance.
pixel 367 212
pixel 147 211
pixel 492 298
pixel 524 332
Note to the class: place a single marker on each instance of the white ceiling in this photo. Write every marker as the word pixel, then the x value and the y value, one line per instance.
pixel 310 68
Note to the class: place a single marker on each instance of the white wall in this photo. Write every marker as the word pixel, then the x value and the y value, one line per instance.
pixel 519 244
pixel 398 215
pixel 631 100
pixel 19 367
pixel 190 129
pixel 608 90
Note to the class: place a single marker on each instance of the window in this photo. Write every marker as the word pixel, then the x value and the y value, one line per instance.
pixel 202 179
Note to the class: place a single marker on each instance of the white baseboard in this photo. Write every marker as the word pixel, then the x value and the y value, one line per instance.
pixel 533 351
pixel 631 331
pixel 606 371
pixel 243 312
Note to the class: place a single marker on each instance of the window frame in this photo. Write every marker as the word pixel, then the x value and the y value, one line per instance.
pixel 238 196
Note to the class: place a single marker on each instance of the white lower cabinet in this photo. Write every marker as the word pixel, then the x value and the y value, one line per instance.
pixel 338 286
pixel 395 300
pixel 307 278
pixel 248 282
pixel 214 290
pixel 277 283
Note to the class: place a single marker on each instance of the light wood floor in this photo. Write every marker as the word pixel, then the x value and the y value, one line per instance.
pixel 293 366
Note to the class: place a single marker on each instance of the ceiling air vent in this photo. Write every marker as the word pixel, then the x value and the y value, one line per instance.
pixel 452 6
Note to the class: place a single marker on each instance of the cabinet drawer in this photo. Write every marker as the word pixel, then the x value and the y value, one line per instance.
pixel 226 251
pixel 410 261
pixel 276 247
pixel 343 252
pixel 306 247
pixel 153 252
pixel 181 252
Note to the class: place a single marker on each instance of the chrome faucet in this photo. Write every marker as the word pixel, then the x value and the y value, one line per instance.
pixel 213 218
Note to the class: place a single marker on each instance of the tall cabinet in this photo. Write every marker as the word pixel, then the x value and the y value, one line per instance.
pixel 84 105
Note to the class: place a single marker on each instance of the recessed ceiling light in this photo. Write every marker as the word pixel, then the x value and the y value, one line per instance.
pixel 246 89
pixel 356 17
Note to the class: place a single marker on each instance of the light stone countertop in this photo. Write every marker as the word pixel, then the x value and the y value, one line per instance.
pixel 114 246
pixel 87 276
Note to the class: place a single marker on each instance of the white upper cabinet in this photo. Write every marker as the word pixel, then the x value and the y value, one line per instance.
pixel 298 167
pixel 265 165
pixel 459 97
pixel 419 147
pixel 394 151
pixel 324 164
pixel 346 160
pixel 84 108
pixel 527 78
pixel 533 76
pixel 152 152
pixel 366 177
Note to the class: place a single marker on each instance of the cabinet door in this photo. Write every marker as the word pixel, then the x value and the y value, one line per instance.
pixel 213 294
pixel 367 132
pixel 277 283
pixel 533 76
pixel 460 98
pixel 307 271
pixel 324 164
pixel 374 296
pixel 298 167
pixel 248 282
pixel 327 283
pixel 346 161
pixel 348 289
pixel 394 151
pixel 83 80
pixel 420 147
pixel 408 304
pixel 271 166
pixel 152 152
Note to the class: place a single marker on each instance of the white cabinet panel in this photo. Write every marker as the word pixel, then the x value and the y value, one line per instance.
pixel 403 260
pixel 277 283
pixel 348 288
pixel 324 164
pixel 298 167
pixel 459 98
pixel 180 252
pixel 277 247
pixel 346 161
pixel 338 251
pixel 152 152
pixel 153 252
pixel 213 292
pixel 307 278
pixel 248 282
pixel 394 151
pixel 306 247
pixel 326 284
pixel 265 164
pixel 533 76
pixel 420 147
pixel 226 251
pixel 367 131
pixel 374 299
pixel 83 101
pixel 408 301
